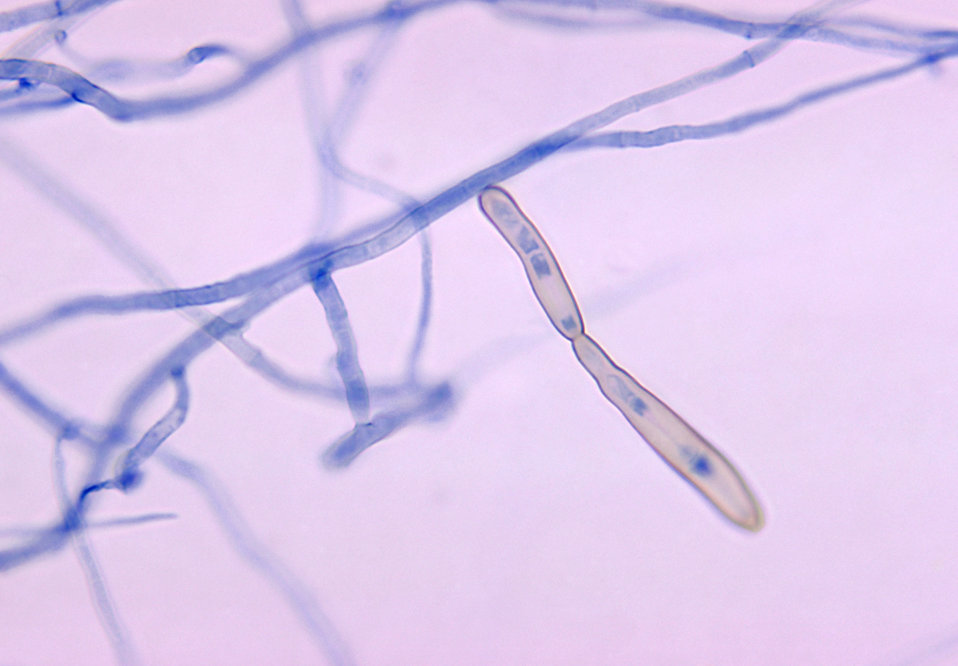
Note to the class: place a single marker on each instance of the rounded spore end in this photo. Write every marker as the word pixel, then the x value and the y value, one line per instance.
pixel 755 522
pixel 498 206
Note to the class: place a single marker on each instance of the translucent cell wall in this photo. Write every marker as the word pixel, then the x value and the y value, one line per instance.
pixel 274 390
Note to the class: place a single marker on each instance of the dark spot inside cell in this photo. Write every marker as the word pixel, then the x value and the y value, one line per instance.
pixel 129 479
pixel 700 465
pixel 540 265
pixel 527 242
pixel 637 405
pixel 502 213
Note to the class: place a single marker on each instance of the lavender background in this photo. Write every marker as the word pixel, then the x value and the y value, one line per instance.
pixel 790 291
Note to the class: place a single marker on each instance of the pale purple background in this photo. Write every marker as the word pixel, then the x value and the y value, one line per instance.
pixel 790 291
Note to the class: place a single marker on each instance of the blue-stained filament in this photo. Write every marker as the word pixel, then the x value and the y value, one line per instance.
pixel 45 75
